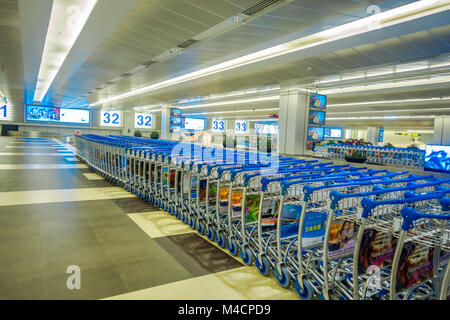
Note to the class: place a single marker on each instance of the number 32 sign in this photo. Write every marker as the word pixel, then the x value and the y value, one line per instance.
pixel 111 119
pixel 142 120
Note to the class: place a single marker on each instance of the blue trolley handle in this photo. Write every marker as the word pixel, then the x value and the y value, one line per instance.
pixel 368 204
pixel 410 215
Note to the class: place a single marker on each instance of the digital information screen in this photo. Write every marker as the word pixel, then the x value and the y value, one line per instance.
pixel 240 126
pixel 58 115
pixel 333 133
pixel 437 158
pixel 143 120
pixel 111 119
pixel 317 118
pixel 318 101
pixel 194 124
pixel 315 134
pixel 75 116
pixel 218 125
pixel 5 112
pixel 266 127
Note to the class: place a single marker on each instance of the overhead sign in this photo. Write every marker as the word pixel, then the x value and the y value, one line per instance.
pixel 218 125
pixel 240 126
pixel 143 120
pixel 111 119
pixel 5 112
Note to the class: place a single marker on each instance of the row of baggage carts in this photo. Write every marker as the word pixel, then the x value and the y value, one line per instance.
pixel 328 231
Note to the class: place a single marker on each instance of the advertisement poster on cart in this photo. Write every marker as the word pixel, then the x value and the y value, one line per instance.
pixel 377 248
pixel 342 239
pixel 236 201
pixel 252 204
pixel 313 229
pixel 416 265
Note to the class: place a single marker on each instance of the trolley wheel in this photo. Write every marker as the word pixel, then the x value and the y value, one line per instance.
pixel 200 227
pixel 184 217
pixel 210 234
pixel 283 277
pixel 191 222
pixel 232 247
pixel 177 213
pixel 306 292
pixel 170 209
pixel 247 256
pixel 151 199
pixel 263 266
pixel 156 203
pixel 220 239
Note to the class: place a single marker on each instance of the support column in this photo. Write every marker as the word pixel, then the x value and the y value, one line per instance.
pixel 165 123
pixel 128 123
pixel 372 135
pixel 293 121
pixel 441 133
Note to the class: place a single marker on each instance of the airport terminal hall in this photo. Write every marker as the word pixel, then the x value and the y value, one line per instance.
pixel 222 158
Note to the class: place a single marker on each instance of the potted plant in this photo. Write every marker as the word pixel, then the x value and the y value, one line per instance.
pixel 355 156
pixel 389 145
pixel 137 133
pixel 413 145
pixel 154 135
pixel 225 141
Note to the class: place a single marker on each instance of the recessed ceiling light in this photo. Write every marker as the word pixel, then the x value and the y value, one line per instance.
pixel 61 36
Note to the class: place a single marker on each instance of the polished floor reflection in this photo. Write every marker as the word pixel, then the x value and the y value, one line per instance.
pixel 55 213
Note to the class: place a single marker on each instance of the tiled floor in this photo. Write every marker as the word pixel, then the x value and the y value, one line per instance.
pixel 55 213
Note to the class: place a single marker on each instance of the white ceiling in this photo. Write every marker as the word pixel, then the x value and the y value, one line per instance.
pixel 107 58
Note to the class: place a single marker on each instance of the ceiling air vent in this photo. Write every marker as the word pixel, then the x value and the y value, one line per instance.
pixel 109 83
pixel 127 74
pixel 259 6
pixel 188 43
pixel 148 63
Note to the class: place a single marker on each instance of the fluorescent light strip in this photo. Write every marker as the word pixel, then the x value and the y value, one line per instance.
pixel 66 22
pixel 384 111
pixel 387 85
pixel 437 99
pixel 398 69
pixel 233 94
pixel 381 20
pixel 234 111
pixel 384 118
pixel 231 102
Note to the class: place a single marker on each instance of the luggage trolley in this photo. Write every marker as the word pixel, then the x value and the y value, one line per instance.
pixel 346 202
pixel 336 266
pixel 259 200
pixel 307 268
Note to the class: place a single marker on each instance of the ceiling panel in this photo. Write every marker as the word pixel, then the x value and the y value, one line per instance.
pixel 150 29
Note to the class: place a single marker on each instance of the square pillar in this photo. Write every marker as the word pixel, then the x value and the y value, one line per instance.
pixel 293 121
